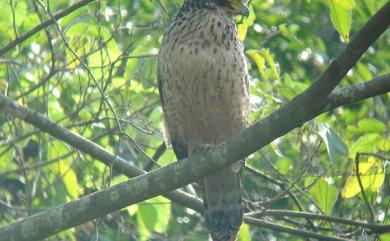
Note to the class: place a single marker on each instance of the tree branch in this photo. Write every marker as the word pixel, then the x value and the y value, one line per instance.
pixel 43 25
pixel 301 109
pixel 378 229
pixel 298 232
pixel 358 92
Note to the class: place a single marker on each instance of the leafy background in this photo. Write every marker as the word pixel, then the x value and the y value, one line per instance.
pixel 97 76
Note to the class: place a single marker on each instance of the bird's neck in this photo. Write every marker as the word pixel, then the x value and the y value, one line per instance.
pixel 191 5
pixel 210 21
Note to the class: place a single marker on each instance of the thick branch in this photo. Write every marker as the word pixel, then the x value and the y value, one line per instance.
pixel 43 25
pixel 295 113
pixel 358 92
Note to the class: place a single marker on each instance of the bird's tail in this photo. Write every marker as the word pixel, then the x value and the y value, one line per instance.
pixel 223 204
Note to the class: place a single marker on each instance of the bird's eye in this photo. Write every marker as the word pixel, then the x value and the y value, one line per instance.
pixel 239 7
pixel 235 4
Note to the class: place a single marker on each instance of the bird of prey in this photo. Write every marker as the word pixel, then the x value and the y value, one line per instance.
pixel 203 85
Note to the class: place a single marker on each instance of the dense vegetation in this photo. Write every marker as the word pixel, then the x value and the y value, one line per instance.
pixel 94 72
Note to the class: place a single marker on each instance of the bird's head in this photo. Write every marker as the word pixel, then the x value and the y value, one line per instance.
pixel 237 7
pixel 232 7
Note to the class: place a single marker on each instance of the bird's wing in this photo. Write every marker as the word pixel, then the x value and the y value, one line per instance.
pixel 179 147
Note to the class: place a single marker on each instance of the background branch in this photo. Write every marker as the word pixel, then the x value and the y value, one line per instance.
pixel 375 228
pixel 298 232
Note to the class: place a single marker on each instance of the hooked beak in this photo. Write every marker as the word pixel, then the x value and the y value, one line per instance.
pixel 244 11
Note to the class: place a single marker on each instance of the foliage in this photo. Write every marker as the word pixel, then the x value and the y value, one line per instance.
pixel 97 76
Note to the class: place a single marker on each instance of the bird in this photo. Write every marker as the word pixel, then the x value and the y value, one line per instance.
pixel 203 82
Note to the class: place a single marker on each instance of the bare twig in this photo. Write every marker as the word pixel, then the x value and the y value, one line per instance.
pixel 298 232
pixel 375 228
pixel 357 172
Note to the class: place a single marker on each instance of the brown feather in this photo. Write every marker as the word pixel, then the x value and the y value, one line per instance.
pixel 203 84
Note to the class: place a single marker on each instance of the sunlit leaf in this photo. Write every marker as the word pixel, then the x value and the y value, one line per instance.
pixel 284 165
pixel 263 59
pixel 258 59
pixel 341 16
pixel 365 143
pixel 67 235
pixel 271 63
pixel 364 71
pixel 242 30
pixel 384 144
pixel 6 162
pixel 244 234
pixel 132 209
pixel 63 167
pixel 70 180
pixel 118 82
pixel 371 174
pixel 385 237
pixel 20 11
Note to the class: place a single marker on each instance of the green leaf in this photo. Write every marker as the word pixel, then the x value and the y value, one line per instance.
pixel 334 145
pixel 366 126
pixel 289 31
pixel 132 209
pixel 153 215
pixel 366 143
pixel 259 60
pixel 63 168
pixel 271 63
pixel 341 16
pixel 6 156
pixel 371 174
pixel 324 192
pixel 265 63
pixel 70 179
pixel 3 86
pixel 67 234
pixel 385 237
pixel 244 234
pixel 384 144
pixel 290 88
pixel 20 10
pixel 242 30
pixel 284 165
pixel 364 71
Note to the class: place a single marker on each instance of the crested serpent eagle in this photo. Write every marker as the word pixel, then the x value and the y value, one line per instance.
pixel 203 85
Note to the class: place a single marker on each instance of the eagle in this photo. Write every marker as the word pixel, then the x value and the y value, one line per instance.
pixel 204 91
